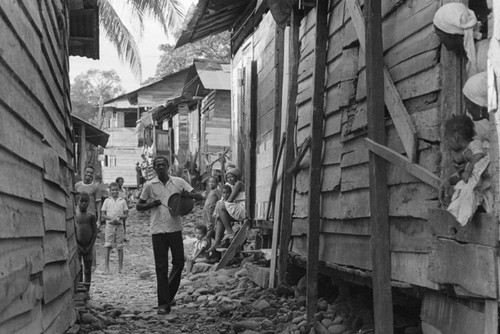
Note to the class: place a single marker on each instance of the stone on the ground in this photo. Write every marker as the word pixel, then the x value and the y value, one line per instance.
pixel 261 305
pixel 320 328
pixel 337 329
pixel 87 318
pixel 145 274
pixel 245 324
pixel 327 322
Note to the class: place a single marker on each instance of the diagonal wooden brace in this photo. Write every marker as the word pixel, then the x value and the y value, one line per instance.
pixel 402 120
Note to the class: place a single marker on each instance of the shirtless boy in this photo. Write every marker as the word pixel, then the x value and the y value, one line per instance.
pixel 86 233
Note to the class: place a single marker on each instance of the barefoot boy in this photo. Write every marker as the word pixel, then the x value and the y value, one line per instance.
pixel 86 233
pixel 114 210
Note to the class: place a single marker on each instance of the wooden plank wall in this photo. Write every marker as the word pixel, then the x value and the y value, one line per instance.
pixel 412 58
pixel 37 243
pixel 122 145
pixel 216 122
pixel 264 53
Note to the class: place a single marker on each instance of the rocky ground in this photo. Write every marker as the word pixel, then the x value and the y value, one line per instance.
pixel 226 301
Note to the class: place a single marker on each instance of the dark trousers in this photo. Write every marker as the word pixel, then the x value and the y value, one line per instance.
pixel 167 285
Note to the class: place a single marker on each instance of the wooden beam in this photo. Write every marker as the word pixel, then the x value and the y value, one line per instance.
pixel 238 240
pixel 490 316
pixel 83 150
pixel 399 160
pixel 316 166
pixel 287 202
pixel 402 120
pixel 380 233
pixel 294 168
pixel 250 130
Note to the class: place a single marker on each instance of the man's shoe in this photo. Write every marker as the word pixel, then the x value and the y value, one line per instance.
pixel 164 309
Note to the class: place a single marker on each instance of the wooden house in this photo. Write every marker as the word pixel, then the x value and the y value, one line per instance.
pixel 126 144
pixel 38 260
pixel 88 139
pixel 199 118
pixel 354 186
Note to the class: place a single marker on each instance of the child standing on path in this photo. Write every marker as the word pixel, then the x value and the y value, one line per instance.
pixel 86 233
pixel 211 198
pixel 201 245
pixel 114 210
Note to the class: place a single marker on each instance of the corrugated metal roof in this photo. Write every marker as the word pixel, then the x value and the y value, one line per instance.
pixel 213 75
pixel 211 17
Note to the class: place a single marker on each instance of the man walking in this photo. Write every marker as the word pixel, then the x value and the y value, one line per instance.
pixel 166 229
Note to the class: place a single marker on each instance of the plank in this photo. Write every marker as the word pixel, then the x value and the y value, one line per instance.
pixel 22 218
pixel 20 138
pixel 23 303
pixel 14 182
pixel 333 124
pixel 468 265
pixel 16 253
pixel 412 268
pixel 59 313
pixel 14 283
pixel 490 316
pixel 394 103
pixel 331 178
pixel 317 127
pixel 482 230
pixel 55 247
pixel 449 316
pixel 403 162
pixel 340 95
pixel 411 200
pixel 28 322
pixel 238 240
pixel 56 280
pixel 343 68
pixel 22 103
pixel 291 114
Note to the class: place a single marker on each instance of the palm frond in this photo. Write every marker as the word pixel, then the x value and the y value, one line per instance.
pixel 118 34
pixel 169 13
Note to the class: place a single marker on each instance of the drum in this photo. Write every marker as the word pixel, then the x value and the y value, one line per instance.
pixel 180 206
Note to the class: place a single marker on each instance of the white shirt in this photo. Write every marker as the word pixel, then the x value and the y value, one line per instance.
pixel 161 219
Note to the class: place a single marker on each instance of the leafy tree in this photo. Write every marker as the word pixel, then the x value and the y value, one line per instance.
pixel 169 13
pixel 215 47
pixel 92 88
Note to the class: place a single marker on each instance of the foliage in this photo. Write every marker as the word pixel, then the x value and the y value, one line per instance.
pixel 92 87
pixel 169 13
pixel 172 60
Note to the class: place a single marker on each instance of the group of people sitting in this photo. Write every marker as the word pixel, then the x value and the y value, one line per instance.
pixel 223 206
pixel 467 134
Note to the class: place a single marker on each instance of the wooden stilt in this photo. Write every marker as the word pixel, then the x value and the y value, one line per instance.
pixel 380 235
pixel 318 101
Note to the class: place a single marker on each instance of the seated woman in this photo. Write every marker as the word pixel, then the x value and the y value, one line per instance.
pixel 231 210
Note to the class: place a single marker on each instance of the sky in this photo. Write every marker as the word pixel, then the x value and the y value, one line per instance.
pixel 153 36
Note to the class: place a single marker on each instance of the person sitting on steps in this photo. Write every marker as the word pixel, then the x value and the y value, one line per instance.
pixel 231 210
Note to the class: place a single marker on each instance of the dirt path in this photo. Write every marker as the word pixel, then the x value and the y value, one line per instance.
pixel 226 301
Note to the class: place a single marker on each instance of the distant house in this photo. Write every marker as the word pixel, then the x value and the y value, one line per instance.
pixel 38 261
pixel 87 139
pixel 199 119
pixel 120 119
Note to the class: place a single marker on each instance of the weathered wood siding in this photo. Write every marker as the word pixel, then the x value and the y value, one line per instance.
pixel 215 124
pixel 412 56
pixel 121 154
pixel 38 263
pixel 264 53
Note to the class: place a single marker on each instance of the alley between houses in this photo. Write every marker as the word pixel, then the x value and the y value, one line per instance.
pixel 223 301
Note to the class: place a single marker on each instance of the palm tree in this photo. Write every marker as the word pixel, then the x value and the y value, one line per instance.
pixel 169 13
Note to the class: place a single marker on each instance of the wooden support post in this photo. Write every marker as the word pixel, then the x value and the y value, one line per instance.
pixel 287 202
pixel 402 120
pixel 279 52
pixel 83 150
pixel 380 235
pixel 318 101
pixel 250 115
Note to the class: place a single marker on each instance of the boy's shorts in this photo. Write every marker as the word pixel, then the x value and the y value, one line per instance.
pixel 114 236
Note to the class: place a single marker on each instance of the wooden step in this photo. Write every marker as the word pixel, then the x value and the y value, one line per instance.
pixel 238 240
